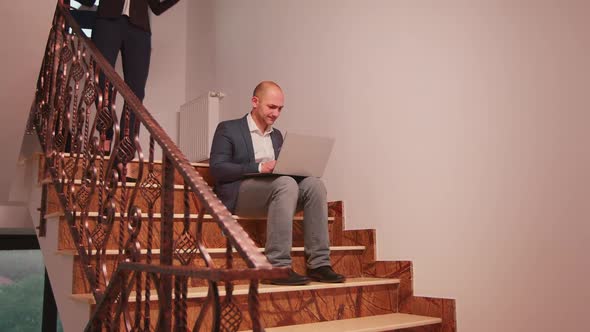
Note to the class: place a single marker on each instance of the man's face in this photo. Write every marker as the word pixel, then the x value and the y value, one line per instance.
pixel 268 107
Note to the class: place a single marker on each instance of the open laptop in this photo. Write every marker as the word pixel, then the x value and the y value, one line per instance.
pixel 302 155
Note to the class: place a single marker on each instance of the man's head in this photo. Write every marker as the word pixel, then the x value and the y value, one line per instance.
pixel 267 103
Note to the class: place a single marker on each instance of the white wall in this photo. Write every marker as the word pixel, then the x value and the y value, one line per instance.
pixel 15 220
pixel 23 42
pixel 460 135
pixel 165 89
pixel 200 45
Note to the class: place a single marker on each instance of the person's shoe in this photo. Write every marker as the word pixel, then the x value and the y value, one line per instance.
pixel 293 279
pixel 325 274
pixel 132 171
pixel 106 147
pixel 128 179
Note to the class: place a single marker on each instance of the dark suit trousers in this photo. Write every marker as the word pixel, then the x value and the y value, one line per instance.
pixel 113 35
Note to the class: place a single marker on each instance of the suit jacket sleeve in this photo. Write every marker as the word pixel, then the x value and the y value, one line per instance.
pixel 160 7
pixel 225 165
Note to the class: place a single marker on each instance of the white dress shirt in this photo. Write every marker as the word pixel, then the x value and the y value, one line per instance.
pixel 262 143
pixel 126 7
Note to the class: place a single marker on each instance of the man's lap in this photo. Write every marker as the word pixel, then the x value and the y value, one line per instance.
pixel 256 193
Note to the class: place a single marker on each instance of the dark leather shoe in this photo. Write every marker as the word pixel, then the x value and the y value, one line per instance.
pixel 293 279
pixel 325 274
pixel 130 179
pixel 106 147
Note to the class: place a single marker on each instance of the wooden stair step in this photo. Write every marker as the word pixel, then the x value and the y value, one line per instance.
pixel 177 216
pixel 388 322
pixel 201 168
pixel 53 204
pixel 242 289
pixel 212 235
pixel 196 164
pixel 345 259
pixel 119 184
pixel 213 251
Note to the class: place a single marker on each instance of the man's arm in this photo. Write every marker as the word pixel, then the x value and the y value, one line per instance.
pixel 160 7
pixel 221 161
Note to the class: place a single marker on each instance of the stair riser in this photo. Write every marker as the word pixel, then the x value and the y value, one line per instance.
pixel 345 262
pixel 309 306
pixel 53 204
pixel 202 170
pixel 212 235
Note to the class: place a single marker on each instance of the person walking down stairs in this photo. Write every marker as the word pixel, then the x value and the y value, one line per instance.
pixel 124 26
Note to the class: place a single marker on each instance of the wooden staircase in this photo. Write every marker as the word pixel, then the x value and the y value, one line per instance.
pixel 377 296
pixel 163 253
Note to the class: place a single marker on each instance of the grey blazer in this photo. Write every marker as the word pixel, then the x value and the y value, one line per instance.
pixel 232 156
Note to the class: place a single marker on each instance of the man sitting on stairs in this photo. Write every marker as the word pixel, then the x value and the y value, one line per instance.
pixel 251 145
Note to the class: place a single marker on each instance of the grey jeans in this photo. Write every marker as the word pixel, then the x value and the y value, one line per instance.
pixel 277 199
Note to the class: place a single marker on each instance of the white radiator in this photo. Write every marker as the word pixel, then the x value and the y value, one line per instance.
pixel 198 119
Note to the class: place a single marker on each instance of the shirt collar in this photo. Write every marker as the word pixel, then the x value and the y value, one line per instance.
pixel 254 128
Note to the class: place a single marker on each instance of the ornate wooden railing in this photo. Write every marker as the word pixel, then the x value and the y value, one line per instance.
pixel 74 106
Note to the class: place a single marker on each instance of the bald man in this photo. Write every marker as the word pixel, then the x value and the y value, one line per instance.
pixel 251 145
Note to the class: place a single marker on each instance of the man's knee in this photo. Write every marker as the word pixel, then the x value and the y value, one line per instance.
pixel 313 185
pixel 285 185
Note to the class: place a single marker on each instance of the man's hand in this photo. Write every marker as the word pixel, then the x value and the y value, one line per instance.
pixel 267 166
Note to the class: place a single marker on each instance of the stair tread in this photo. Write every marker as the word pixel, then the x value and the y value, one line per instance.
pixel 242 289
pixel 176 216
pixel 119 184
pixel 72 252
pixel 137 160
pixel 377 323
